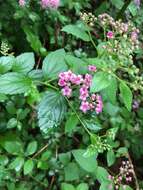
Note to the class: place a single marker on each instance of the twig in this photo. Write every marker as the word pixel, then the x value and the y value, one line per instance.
pixel 40 151
pixel 134 174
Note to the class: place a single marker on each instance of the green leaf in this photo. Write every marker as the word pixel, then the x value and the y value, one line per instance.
pixel 82 186
pixel 71 123
pixel 24 63
pixel 51 110
pixel 65 158
pixel 66 186
pixel 106 185
pixel 77 32
pixel 122 151
pixel 13 147
pixel 101 174
pixel 118 3
pixel 54 64
pixel 110 157
pixel 87 163
pixel 111 90
pixel 31 149
pixel 34 41
pixel 12 123
pixel 133 8
pixel 71 172
pixel 92 125
pixel 77 65
pixel 28 167
pixel 17 164
pixel 6 63
pixel 14 83
pixel 126 95
pixel 100 81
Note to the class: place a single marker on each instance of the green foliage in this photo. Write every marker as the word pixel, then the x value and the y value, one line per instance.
pixel 46 141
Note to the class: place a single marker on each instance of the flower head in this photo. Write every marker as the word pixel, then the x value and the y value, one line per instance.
pixel 110 35
pixel 84 106
pixel 22 3
pixel 92 68
pixel 67 91
pixel 99 104
pixel 54 4
pixel 137 2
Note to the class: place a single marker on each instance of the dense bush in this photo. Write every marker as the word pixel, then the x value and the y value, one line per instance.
pixel 71 90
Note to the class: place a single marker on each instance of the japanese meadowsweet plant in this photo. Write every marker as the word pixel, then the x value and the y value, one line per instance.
pixel 71 118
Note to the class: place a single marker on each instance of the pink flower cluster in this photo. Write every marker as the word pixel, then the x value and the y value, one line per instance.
pixel 68 80
pixel 22 3
pixel 126 173
pixel 53 4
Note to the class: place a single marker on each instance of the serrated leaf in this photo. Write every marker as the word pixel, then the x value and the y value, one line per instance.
pixel 51 110
pixel 31 149
pixel 6 64
pixel 14 83
pixel 24 63
pixel 110 158
pixel 54 63
pixel 28 167
pixel 87 163
pixel 100 81
pixel 126 95
pixel 77 32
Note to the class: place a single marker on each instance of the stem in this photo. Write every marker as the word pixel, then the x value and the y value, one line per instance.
pixel 42 184
pixel 134 174
pixel 78 117
pixel 40 151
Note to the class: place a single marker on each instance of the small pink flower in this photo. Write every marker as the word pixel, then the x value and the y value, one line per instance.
pixel 54 4
pixel 99 104
pixel 22 3
pixel 92 68
pixel 87 80
pixel 134 36
pixel 66 91
pixel 76 79
pixel 84 107
pixel 62 82
pixel 93 97
pixel 110 35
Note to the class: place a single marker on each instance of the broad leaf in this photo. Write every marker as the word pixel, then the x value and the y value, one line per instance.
pixel 28 167
pixel 87 163
pixel 76 64
pixel 71 123
pixel 66 186
pixel 32 147
pixel 14 83
pixel 101 174
pixel 82 186
pixel 100 81
pixel 77 32
pixel 17 164
pixel 6 63
pixel 71 176
pixel 24 63
pixel 110 158
pixel 51 110
pixel 53 64
pixel 126 95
